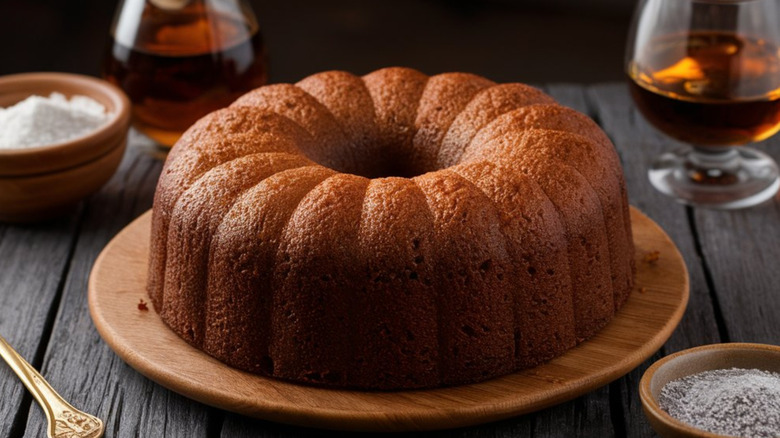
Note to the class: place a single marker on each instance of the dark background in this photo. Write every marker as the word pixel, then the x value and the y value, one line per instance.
pixel 535 41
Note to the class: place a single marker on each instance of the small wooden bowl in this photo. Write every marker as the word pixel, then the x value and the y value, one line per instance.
pixel 693 361
pixel 41 182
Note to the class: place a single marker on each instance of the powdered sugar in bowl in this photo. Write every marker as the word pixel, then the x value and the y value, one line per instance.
pixel 50 120
pixel 742 378
pixel 67 151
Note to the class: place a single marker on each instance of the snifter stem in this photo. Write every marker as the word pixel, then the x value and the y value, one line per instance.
pixel 714 166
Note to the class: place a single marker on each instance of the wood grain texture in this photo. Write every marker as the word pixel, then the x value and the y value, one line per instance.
pixel 742 252
pixel 118 281
pixel 77 363
pixel 32 261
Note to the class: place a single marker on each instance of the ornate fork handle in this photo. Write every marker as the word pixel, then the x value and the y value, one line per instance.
pixel 65 421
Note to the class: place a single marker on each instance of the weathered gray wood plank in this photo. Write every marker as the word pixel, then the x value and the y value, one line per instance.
pixel 33 259
pixel 236 426
pixel 637 143
pixel 571 95
pixel 586 416
pixel 742 250
pixel 77 362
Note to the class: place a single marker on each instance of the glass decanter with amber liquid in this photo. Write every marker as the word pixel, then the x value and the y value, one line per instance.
pixel 179 60
pixel 707 72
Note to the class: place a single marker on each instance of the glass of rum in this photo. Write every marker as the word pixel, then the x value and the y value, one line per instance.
pixel 179 60
pixel 707 73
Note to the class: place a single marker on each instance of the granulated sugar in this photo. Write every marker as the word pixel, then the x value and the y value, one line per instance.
pixel 39 121
pixel 737 402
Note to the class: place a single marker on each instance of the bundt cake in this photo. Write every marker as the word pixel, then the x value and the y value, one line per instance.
pixel 390 231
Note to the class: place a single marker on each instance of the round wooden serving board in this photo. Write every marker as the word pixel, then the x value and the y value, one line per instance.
pixel 140 338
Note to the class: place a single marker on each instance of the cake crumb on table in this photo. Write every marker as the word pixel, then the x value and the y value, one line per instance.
pixel 142 305
pixel 652 257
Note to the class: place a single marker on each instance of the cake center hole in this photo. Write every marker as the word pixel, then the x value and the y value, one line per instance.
pixel 376 162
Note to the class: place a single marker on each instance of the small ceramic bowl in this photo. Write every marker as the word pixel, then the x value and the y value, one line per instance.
pixel 41 182
pixel 694 361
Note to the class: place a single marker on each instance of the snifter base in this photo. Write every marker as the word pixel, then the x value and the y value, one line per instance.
pixel 722 178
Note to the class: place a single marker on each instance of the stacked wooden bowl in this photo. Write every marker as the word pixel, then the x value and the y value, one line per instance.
pixel 39 183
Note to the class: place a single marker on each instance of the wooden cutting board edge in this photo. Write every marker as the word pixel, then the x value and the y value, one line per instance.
pixel 118 282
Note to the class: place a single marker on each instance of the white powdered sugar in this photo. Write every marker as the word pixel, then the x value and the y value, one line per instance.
pixel 40 121
pixel 735 402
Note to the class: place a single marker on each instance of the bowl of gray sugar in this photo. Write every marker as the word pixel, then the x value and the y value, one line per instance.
pixel 62 136
pixel 719 390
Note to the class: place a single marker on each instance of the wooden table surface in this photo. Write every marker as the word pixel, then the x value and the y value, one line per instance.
pixel 731 256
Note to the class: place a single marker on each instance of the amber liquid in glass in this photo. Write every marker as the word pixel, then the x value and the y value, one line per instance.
pixel 181 68
pixel 709 88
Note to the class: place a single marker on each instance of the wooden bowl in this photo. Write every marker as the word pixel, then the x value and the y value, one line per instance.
pixel 693 361
pixel 38 183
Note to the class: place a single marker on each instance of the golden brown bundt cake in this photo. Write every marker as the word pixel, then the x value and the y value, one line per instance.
pixel 390 231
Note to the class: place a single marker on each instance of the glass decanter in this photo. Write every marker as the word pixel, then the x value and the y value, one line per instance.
pixel 178 60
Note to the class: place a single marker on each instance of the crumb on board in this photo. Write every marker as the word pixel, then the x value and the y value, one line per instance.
pixel 652 257
pixel 142 305
pixel 642 290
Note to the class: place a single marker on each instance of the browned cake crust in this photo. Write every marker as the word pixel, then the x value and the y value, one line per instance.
pixel 390 231
pixel 311 115
pixel 539 276
pixel 399 306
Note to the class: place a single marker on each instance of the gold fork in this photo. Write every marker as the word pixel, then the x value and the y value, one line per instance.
pixel 65 421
